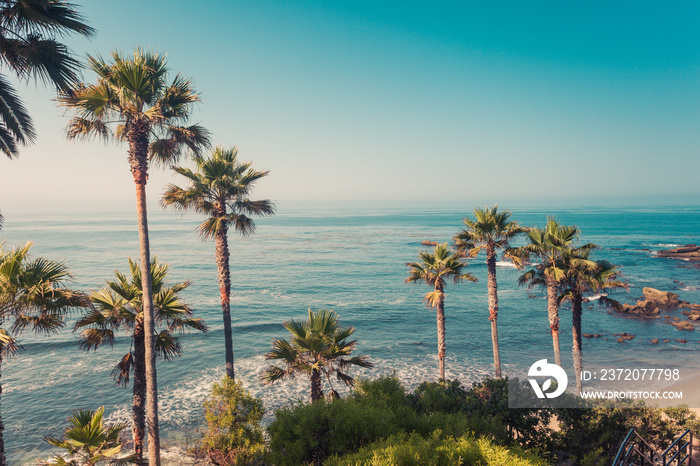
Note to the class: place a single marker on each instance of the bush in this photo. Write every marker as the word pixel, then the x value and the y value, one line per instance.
pixel 412 449
pixel 233 434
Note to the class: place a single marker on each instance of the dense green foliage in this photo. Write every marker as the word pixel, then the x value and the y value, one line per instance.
pixel 311 433
pixel 412 449
pixel 233 434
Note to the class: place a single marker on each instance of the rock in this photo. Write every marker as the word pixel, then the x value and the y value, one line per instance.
pixel 685 325
pixel 676 319
pixel 689 251
pixel 621 340
pixel 592 335
pixel 693 316
pixel 429 243
pixel 666 340
pixel 655 341
pixel 644 308
pixel 604 338
pixel 682 341
pixel 687 305
pixel 661 298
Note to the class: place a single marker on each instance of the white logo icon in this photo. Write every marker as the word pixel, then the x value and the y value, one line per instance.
pixel 542 369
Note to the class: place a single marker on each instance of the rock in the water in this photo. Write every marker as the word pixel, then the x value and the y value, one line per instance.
pixel 689 251
pixel 685 325
pixel 644 308
pixel 694 317
pixel 682 341
pixel 621 340
pixel 429 243
pixel 592 335
pixel 687 305
pixel 655 341
pixel 660 298
pixel 666 340
pixel 624 336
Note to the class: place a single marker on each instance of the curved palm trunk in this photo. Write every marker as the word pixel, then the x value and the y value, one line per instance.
pixel 138 152
pixel 553 314
pixel 316 390
pixel 222 265
pixel 493 306
pixel 138 406
pixel 2 431
pixel 576 308
pixel 440 286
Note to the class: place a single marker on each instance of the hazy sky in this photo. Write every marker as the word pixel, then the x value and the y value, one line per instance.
pixel 403 103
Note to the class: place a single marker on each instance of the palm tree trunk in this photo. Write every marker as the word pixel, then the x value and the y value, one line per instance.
pixel 2 431
pixel 139 401
pixel 316 390
pixel 440 286
pixel 493 306
pixel 576 308
pixel 222 265
pixel 138 153
pixel 553 314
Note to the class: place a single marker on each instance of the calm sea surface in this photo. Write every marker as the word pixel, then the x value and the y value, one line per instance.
pixel 349 261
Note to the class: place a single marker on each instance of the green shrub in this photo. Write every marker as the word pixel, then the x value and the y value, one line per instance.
pixel 233 434
pixel 412 449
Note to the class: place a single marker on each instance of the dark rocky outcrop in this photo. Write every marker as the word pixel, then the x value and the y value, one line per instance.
pixel 689 251
pixel 592 335
pixel 661 298
pixel 655 341
pixel 624 336
pixel 685 325
pixel 642 308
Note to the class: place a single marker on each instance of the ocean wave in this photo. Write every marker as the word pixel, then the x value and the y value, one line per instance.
pixel 505 264
pixel 668 245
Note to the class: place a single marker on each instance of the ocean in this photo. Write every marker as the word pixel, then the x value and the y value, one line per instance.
pixel 351 261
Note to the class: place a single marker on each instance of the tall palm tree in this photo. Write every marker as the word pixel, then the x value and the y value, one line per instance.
pixel 132 101
pixel 549 245
pixel 30 47
pixel 489 231
pixel 219 187
pixel 120 305
pixel 33 295
pixel 318 348
pixel 583 275
pixel 433 269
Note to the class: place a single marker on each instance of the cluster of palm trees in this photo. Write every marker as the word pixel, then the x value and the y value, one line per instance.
pixel 133 101
pixel 564 270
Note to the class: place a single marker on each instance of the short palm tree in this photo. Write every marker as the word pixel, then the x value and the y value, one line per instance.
pixel 31 49
pixel 489 231
pixel 89 442
pixel 120 306
pixel 549 245
pixel 583 275
pixel 132 101
pixel 433 269
pixel 218 188
pixel 33 295
pixel 318 349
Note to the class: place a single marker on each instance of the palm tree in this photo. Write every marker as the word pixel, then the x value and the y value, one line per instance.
pixel 30 48
pixel 318 348
pixel 433 269
pixel 120 305
pixel 549 245
pixel 219 187
pixel 489 231
pixel 89 442
pixel 583 275
pixel 33 296
pixel 133 102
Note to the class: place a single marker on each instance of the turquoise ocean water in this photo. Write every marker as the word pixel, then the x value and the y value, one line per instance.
pixel 349 261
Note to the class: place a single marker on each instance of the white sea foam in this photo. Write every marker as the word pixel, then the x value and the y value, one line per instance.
pixel 668 245
pixel 505 264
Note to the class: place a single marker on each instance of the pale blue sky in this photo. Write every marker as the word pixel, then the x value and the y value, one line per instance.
pixel 404 103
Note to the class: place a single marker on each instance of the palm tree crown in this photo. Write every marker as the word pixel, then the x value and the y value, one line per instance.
pixel 319 348
pixel 219 187
pixel 30 47
pixel 133 101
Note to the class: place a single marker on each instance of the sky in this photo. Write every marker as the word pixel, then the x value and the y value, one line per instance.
pixel 378 103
